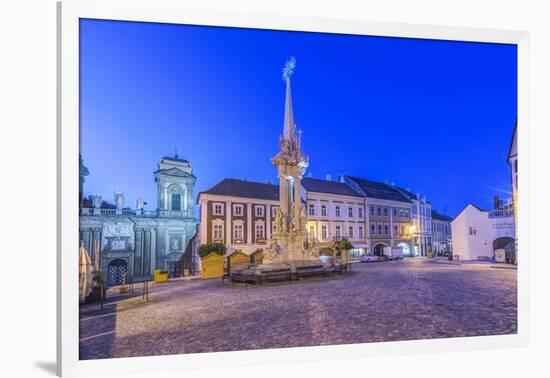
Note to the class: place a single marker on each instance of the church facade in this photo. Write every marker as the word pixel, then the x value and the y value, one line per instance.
pixel 128 244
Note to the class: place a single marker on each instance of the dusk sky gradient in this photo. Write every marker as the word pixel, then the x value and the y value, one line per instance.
pixel 433 116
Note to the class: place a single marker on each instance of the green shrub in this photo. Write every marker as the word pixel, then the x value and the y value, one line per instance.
pixel 206 249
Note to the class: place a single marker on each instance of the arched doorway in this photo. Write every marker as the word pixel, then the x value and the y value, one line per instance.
pixel 406 248
pixel 378 249
pixel 117 271
pixel 508 244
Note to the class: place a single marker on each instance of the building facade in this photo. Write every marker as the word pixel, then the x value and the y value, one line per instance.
pixel 130 243
pixel 478 233
pixel 441 233
pixel 371 215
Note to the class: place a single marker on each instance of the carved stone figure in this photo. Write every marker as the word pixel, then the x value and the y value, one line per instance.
pixel 139 204
pixel 97 201
pixel 119 200
pixel 279 220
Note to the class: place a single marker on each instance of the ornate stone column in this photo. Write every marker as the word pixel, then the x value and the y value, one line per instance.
pixel 138 251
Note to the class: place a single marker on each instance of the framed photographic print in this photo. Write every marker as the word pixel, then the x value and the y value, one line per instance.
pixel 265 188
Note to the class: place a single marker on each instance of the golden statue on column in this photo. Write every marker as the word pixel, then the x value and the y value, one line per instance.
pixel 289 242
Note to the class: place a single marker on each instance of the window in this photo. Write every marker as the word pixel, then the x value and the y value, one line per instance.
pixel 473 230
pixel 406 212
pixel 385 211
pixel 217 232
pixel 373 229
pixel 401 213
pixel 516 166
pixel 337 211
pixel 238 231
pixel 350 212
pixel 360 212
pixel 380 229
pixel 350 232
pixel 324 210
pixel 379 211
pixel 176 201
pixel 238 210
pixel 338 231
pixel 394 212
pixel 372 210
pixel 386 229
pixel 395 229
pixel 218 209
pixel 274 210
pixel 324 232
pixel 259 211
pixel 260 231
pixel 361 235
pixel 311 209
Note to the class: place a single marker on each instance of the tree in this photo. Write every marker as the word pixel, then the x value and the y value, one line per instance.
pixel 206 249
pixel 341 245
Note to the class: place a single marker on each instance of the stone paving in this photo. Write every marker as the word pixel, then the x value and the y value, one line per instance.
pixel 402 300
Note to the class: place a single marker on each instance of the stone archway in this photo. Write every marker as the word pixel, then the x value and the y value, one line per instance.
pixel 378 249
pixel 508 244
pixel 117 272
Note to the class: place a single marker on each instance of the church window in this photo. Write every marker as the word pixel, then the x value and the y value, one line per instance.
pixel 176 201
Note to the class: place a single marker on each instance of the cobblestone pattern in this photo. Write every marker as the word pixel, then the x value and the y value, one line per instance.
pixel 404 300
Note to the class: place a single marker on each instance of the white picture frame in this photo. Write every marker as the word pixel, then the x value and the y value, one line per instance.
pixel 172 11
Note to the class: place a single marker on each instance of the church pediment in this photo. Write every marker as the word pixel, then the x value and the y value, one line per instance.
pixel 174 172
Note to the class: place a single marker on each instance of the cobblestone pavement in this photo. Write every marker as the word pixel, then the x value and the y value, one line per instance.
pixel 402 300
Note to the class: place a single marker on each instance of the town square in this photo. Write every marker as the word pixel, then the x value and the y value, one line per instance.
pixel 402 300
pixel 234 240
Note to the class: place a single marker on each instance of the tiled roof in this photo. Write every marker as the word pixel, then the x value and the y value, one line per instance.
pixel 247 189
pixel 374 189
pixel 325 186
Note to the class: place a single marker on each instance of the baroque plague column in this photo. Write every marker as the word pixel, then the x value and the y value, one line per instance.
pixel 289 242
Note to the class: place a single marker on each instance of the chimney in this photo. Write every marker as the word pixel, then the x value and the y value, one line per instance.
pixel 329 177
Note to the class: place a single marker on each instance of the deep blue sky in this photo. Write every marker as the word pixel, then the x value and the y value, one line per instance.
pixel 433 116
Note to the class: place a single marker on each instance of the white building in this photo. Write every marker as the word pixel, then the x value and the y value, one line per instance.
pixel 477 233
